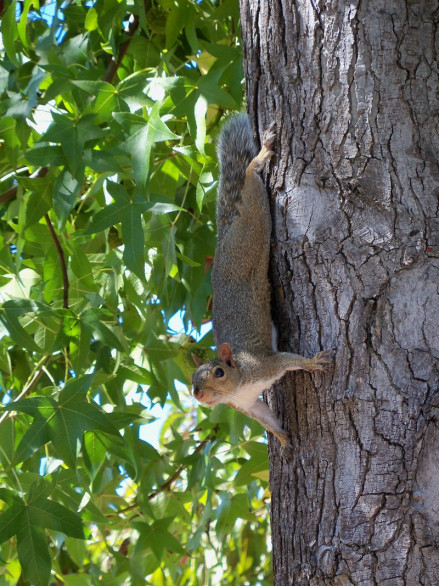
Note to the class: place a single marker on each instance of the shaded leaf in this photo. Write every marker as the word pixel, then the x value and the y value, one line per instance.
pixel 33 551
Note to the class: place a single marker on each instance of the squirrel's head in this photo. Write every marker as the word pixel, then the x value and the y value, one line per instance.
pixel 215 381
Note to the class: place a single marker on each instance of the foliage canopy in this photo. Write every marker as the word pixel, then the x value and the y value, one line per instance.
pixel 109 110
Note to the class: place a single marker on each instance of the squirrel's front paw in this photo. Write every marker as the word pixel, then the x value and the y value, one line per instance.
pixel 322 360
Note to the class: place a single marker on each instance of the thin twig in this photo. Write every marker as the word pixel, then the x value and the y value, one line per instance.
pixel 180 469
pixel 167 485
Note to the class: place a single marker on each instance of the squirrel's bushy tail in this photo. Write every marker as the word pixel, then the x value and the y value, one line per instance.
pixel 235 150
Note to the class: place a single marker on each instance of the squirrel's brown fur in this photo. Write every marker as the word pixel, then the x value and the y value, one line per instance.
pixel 242 327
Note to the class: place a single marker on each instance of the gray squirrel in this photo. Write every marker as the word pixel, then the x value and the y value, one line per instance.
pixel 241 314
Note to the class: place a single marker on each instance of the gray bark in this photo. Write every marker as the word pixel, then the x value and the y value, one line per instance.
pixel 354 90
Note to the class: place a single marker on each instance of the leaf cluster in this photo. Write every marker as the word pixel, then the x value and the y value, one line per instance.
pixel 109 112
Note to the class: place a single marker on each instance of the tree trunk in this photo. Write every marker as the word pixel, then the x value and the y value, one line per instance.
pixel 353 89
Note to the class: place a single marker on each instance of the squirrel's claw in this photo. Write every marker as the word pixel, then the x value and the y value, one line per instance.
pixel 323 359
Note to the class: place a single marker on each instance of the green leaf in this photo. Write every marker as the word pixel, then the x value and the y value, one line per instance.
pixel 91 20
pixel 162 207
pixel 21 26
pixel 43 155
pixel 200 111
pixel 132 234
pixel 81 266
pixel 64 130
pixel 33 551
pixel 200 196
pixel 94 453
pixel 105 98
pixel 76 388
pixel 38 204
pixel 130 92
pixel 36 435
pixel 107 217
pixel 8 521
pixel 62 422
pixel 231 508
pixel 53 515
pixel 91 320
pixel 257 464
pixel 66 191
pixel 32 406
pixel 208 88
pixel 7 440
pixel 158 538
pixel 8 133
pixel 188 261
pixel 128 211
pixel 118 447
pixel 73 134
pixel 27 519
pixel 10 32
pixel 136 374
pixel 177 19
pixel 11 311
pixel 142 135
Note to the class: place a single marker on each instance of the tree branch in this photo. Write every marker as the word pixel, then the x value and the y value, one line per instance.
pixel 110 74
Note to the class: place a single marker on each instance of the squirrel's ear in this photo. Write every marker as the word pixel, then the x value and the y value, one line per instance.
pixel 196 359
pixel 225 354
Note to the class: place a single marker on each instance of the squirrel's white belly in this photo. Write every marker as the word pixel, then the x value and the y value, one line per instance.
pixel 247 394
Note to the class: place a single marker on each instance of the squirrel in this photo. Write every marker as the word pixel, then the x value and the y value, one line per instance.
pixel 241 312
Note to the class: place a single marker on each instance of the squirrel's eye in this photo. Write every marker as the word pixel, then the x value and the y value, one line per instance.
pixel 219 372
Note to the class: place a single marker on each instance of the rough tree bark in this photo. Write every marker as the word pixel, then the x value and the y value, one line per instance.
pixel 354 90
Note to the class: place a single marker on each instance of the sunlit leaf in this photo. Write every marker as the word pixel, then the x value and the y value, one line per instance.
pixel 142 135
pixel 63 422
pixel 10 32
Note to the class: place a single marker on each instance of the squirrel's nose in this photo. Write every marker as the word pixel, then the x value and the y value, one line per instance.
pixel 197 393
